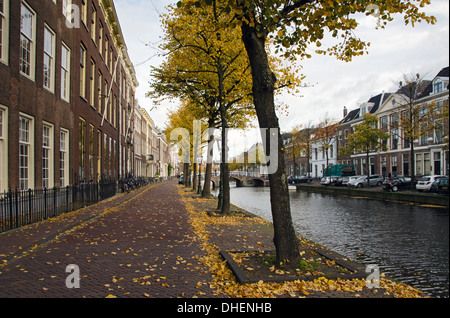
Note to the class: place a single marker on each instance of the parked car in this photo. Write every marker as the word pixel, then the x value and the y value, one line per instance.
pixel 437 182
pixel 374 180
pixel 345 180
pixel 425 183
pixel 357 183
pixel 338 181
pixel 443 186
pixel 397 183
pixel 298 179
pixel 329 180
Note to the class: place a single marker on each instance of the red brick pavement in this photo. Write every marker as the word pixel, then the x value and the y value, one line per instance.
pixel 134 245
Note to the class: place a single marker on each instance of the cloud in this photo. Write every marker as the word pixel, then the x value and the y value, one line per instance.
pixel 395 51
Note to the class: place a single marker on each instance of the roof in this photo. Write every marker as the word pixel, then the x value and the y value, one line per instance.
pixel 429 87
pixel 375 100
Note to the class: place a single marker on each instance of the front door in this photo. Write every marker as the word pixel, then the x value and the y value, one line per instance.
pixel 437 163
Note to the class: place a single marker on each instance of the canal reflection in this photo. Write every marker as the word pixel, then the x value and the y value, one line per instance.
pixel 408 243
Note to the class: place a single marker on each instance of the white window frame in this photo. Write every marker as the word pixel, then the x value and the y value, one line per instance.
pixel 94 25
pixel 83 65
pixel 30 38
pixel 65 72
pixel 64 157
pixel 49 53
pixel 92 86
pixel 66 8
pixel 3 149
pixel 84 7
pixel 47 156
pixel 26 141
pixel 4 32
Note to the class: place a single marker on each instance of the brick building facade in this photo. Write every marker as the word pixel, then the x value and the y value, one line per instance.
pixel 67 90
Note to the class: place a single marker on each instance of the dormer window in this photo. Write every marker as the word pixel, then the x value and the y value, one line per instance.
pixel 362 111
pixel 437 86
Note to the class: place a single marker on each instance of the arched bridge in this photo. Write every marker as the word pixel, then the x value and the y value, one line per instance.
pixel 243 181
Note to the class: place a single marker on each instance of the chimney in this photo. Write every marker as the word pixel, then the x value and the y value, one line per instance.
pixel 345 111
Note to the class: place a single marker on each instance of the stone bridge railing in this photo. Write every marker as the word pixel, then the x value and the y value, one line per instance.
pixel 243 181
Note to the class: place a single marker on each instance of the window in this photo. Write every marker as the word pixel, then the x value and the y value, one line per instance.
pixel 99 154
pixel 424 134
pixel 106 52
pixel 384 122
pixel 94 24
pixel 100 39
pixel 92 84
pixel 114 119
pixel 82 71
pixel 25 152
pixel 82 150
pixel 65 73
pixel 49 59
pixel 394 139
pixel 100 90
pixel 111 159
pixel 27 41
pixel 3 149
pixel 66 8
pixel 106 101
pixel 437 86
pixel 91 152
pixel 105 154
pixel 439 133
pixel 4 30
pixel 64 158
pixel 84 12
pixel 47 156
pixel 1 124
pixel 427 163
pixel 419 168
pixel 394 120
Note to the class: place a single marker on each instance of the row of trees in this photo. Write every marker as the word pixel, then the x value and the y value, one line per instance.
pixel 224 60
pixel 414 119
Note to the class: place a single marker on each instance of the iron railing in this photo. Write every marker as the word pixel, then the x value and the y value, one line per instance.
pixel 22 207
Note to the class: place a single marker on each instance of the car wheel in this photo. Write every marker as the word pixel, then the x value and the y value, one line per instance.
pixel 378 183
pixel 395 188
pixel 359 185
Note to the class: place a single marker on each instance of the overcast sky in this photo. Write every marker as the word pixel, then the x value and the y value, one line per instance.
pixel 332 84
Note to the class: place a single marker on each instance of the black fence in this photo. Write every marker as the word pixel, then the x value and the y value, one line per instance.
pixel 19 208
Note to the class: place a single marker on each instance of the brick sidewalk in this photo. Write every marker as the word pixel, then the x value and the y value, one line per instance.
pixel 134 245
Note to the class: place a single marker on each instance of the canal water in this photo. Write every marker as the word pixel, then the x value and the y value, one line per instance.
pixel 408 243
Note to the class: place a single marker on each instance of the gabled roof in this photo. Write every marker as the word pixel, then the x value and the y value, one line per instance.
pixel 350 116
pixel 429 87
pixel 375 100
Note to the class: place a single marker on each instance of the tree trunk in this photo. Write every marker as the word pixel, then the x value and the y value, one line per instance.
pixel 224 177
pixel 206 192
pixel 185 174
pixel 285 239
pixel 194 177
pixel 412 159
